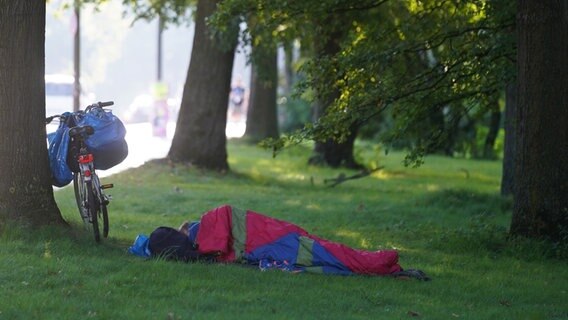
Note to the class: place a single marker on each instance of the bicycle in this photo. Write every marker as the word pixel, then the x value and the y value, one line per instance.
pixel 91 199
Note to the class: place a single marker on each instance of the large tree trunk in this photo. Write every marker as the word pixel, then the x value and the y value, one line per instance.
pixel 200 137
pixel 494 125
pixel 541 171
pixel 336 154
pixel 330 152
pixel 288 68
pixel 26 194
pixel 507 181
pixel 437 123
pixel 262 121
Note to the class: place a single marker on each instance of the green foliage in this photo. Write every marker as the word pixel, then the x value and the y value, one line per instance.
pixel 170 11
pixel 430 65
pixel 445 218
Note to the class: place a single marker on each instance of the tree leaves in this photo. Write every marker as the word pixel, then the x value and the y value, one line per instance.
pixel 429 64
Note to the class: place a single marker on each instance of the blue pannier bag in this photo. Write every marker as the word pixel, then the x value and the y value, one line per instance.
pixel 58 148
pixel 107 143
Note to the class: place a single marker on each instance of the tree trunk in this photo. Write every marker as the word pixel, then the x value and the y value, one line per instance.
pixel 507 181
pixel 437 123
pixel 541 172
pixel 262 121
pixel 330 152
pixel 26 194
pixel 494 125
pixel 288 68
pixel 200 137
pixel 336 154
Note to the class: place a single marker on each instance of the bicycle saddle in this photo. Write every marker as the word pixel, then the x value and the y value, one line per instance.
pixel 84 130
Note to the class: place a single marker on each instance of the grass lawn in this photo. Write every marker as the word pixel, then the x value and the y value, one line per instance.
pixel 445 218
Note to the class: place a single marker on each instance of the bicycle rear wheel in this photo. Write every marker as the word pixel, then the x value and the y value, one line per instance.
pixel 87 203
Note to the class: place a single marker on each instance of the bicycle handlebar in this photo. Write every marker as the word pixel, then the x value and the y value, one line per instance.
pixel 100 105
pixel 49 119
pixel 105 104
pixel 89 107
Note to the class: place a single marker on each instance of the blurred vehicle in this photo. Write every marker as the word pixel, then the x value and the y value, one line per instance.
pixel 59 94
pixel 143 109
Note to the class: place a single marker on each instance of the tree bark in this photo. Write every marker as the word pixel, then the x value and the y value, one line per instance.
pixel 289 78
pixel 330 152
pixel 262 121
pixel 200 137
pixel 507 180
pixel 337 154
pixel 494 125
pixel 26 194
pixel 541 172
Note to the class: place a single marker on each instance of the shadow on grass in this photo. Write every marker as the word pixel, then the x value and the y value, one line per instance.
pixel 481 231
pixel 468 203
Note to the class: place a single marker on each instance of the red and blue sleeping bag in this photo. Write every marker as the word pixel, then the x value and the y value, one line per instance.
pixel 241 236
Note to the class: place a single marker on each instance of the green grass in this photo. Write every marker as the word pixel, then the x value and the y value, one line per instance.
pixel 445 218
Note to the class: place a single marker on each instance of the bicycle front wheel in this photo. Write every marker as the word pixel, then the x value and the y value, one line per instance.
pixel 87 203
pixel 104 213
pixel 101 203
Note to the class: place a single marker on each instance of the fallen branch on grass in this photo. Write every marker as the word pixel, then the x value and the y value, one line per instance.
pixel 342 178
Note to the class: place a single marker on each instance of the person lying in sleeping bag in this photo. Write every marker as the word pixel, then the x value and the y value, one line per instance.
pixel 229 234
